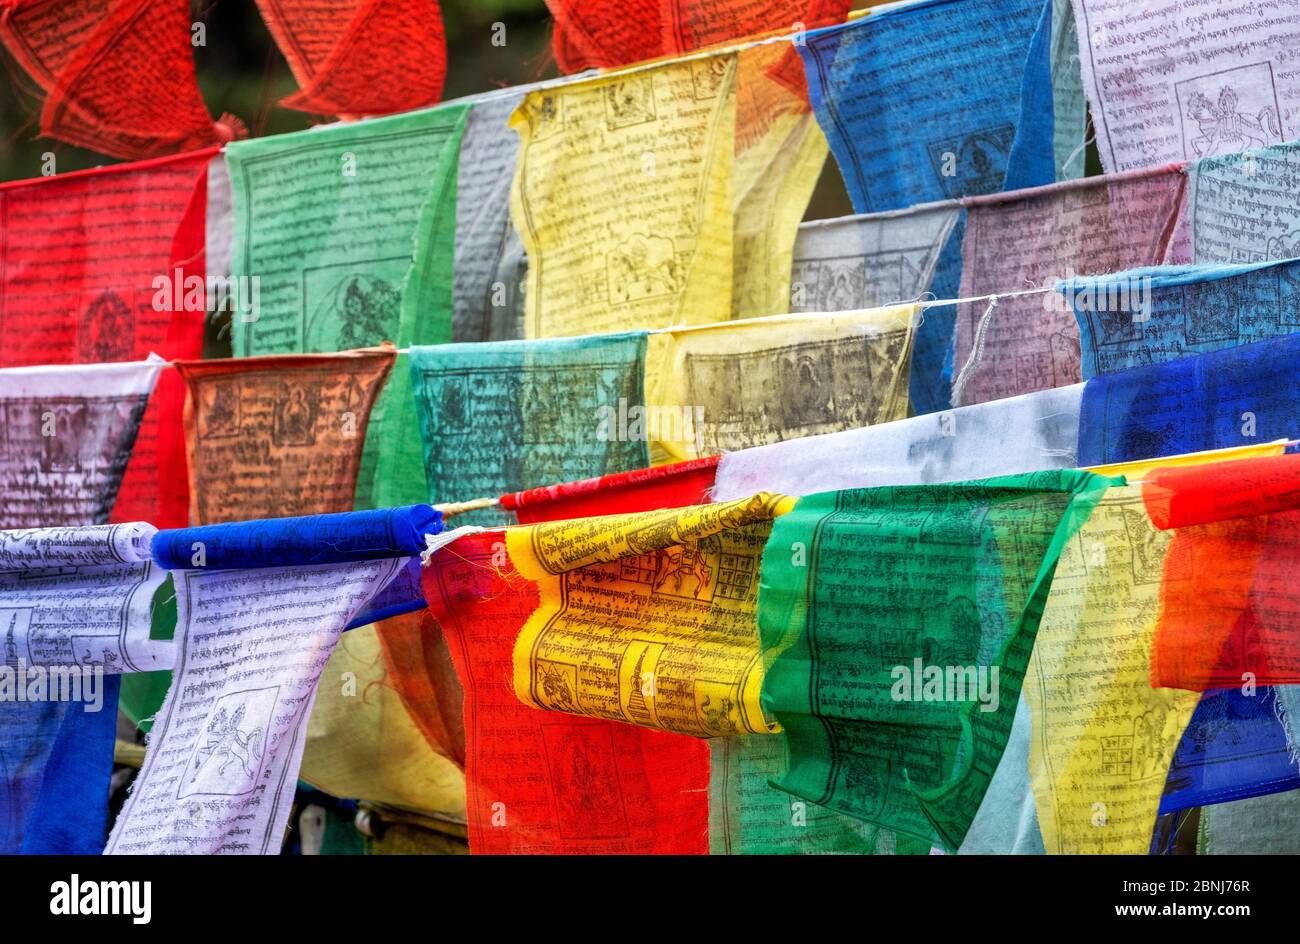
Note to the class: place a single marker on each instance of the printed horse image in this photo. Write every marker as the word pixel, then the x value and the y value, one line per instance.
pixel 1224 128
pixel 227 742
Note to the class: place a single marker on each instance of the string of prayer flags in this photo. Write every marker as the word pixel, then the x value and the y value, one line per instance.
pixel 1207 401
pixel 734 385
pixel 875 259
pixel 76 603
pixel 869 260
pixel 490 263
pixel 591 785
pixel 349 231
pixel 68 436
pixel 934 101
pixel 605 166
pixel 1037 431
pixel 1226 608
pixel 502 416
pixel 665 486
pixel 225 750
pixel 1154 315
pixel 1029 238
pixel 360 57
pixel 419 663
pixel 1246 205
pixel 278 436
pixel 1034 432
pixel 1103 738
pixel 118 75
pixel 109 280
pixel 1164 87
pixel 872 730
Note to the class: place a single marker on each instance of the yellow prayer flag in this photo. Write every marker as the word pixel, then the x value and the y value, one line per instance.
pixel 648 618
pixel 622 197
pixel 749 383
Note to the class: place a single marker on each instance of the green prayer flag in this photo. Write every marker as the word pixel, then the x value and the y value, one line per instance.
pixel 350 231
pixel 503 416
pixel 897 623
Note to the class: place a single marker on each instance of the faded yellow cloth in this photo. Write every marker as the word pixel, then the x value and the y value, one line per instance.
pixel 780 150
pixel 648 618
pixel 749 383
pixel 622 197
pixel 362 744
pixel 1103 738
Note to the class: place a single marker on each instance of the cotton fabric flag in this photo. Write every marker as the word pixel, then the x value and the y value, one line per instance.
pixel 1037 431
pixel 1165 86
pixel 224 753
pixel 118 75
pixel 57 753
pixel 85 289
pixel 68 436
pixel 415 651
pixel 1103 738
pixel 957 575
pixel 1029 238
pixel 1235 747
pixel 1259 826
pixel 491 266
pixel 869 260
pixel 976 116
pixel 307 415
pixel 932 100
pixel 589 33
pixel 665 486
pixel 1225 398
pixel 1034 432
pixel 779 153
pixel 360 57
pixel 592 786
pixel 1154 315
pixel 753 382
pixel 509 415
pixel 350 230
pixel 663 634
pixel 605 166
pixel 1227 608
pixel 1243 207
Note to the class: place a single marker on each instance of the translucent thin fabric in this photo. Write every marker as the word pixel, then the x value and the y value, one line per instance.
pixel 955 578
pixel 360 57
pixel 118 75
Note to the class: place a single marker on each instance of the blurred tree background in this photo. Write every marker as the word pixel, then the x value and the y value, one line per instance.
pixel 242 72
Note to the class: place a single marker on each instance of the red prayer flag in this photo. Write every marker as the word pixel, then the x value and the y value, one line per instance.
pixel 542 782
pixel 118 74
pixel 1229 602
pixel 360 57
pixel 80 254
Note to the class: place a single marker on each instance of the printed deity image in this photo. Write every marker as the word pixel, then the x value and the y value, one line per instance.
pixel 295 431
pixel 228 756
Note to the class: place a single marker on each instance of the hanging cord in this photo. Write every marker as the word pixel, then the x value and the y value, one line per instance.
pixel 976 351
pixel 451 509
